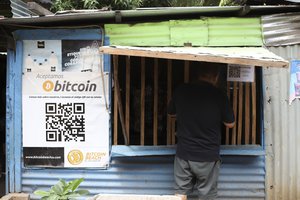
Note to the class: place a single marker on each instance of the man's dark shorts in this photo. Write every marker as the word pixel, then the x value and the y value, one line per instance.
pixel 204 175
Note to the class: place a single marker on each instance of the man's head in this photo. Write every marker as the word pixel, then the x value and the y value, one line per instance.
pixel 208 72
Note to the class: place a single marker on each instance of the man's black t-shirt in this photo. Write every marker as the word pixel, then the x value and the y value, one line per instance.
pixel 200 110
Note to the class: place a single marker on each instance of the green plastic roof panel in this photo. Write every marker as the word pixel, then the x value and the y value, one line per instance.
pixel 194 32
pixel 235 32
pixel 199 32
pixel 141 34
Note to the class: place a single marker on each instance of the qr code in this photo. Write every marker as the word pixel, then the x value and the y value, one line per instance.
pixel 65 122
pixel 234 72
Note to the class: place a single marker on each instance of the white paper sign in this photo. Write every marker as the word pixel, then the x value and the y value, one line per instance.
pixel 65 115
pixel 240 73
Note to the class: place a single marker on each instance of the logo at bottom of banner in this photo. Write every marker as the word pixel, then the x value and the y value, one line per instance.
pixel 91 157
pixel 75 157
pixel 65 157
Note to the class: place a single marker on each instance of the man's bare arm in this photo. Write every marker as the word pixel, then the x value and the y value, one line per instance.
pixel 229 125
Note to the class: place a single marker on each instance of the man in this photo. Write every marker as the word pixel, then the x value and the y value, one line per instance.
pixel 201 109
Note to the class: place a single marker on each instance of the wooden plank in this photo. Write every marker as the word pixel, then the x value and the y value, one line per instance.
pixel 240 114
pixel 169 96
pixel 247 113
pixel 227 129
pixel 173 125
pixel 169 130
pixel 186 71
pixel 121 113
pixel 115 62
pixel 120 106
pixel 234 129
pixel 253 127
pixel 213 54
pixel 155 102
pixel 143 68
pixel 127 102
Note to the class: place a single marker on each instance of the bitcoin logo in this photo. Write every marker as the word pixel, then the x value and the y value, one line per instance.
pixel 48 86
pixel 75 157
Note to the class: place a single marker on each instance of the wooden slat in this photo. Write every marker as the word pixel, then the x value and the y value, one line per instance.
pixel 186 71
pixel 115 60
pixel 143 68
pixel 240 114
pixel 127 103
pixel 169 96
pixel 227 129
pixel 155 102
pixel 120 106
pixel 253 128
pixel 169 130
pixel 235 96
pixel 247 113
pixel 173 128
pixel 242 55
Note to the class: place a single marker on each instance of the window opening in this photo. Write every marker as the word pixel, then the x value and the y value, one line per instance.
pixel 146 86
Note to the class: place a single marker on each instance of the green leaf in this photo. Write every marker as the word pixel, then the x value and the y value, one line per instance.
pixel 65 185
pixel 66 191
pixel 53 197
pixel 64 197
pixel 57 188
pixel 68 188
pixel 41 193
pixel 72 195
pixel 63 182
pixel 82 192
pixel 75 183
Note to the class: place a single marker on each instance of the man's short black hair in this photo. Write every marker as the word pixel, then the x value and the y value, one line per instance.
pixel 207 70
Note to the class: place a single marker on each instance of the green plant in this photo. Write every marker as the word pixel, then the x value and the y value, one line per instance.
pixel 60 5
pixel 186 3
pixel 90 4
pixel 125 4
pixel 232 2
pixel 63 190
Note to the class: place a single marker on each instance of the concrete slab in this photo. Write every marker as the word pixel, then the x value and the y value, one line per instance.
pixel 136 197
pixel 16 196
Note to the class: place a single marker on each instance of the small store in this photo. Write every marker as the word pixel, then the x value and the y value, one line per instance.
pixel 87 97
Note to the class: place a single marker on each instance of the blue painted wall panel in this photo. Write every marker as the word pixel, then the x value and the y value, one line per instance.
pixel 13 120
pixel 240 178
pixel 18 115
pixel 9 121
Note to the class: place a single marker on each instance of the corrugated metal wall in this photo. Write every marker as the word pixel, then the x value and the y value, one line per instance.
pixel 281 29
pixel 19 9
pixel 241 177
pixel 282 131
